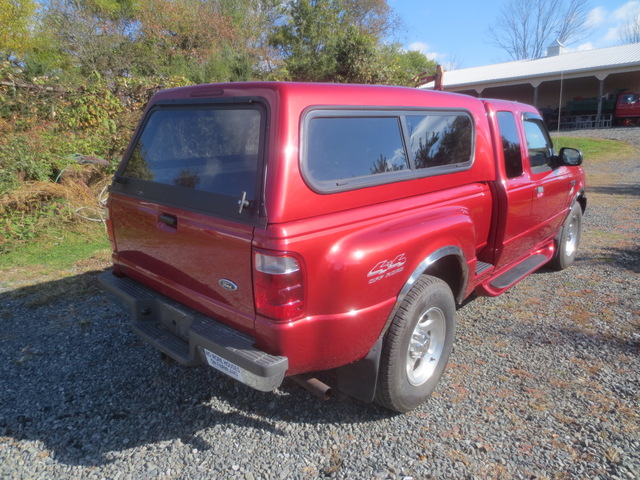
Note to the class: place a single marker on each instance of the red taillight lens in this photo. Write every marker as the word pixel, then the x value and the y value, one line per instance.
pixel 278 286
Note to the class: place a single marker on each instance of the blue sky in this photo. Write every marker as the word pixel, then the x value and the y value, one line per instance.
pixel 454 32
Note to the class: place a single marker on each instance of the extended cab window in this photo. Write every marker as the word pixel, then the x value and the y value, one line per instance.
pixel 539 144
pixel 510 144
pixel 345 149
pixel 437 140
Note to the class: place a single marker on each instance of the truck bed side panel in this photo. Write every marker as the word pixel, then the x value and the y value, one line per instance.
pixel 365 257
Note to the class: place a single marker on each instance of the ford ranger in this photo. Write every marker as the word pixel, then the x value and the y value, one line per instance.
pixel 274 230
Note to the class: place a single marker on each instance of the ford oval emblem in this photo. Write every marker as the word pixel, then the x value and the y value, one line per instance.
pixel 228 284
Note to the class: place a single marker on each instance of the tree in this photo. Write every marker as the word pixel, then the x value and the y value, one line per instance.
pixel 524 28
pixel 342 41
pixel 15 18
pixel 409 65
pixel 203 41
pixel 304 37
pixel 195 39
pixel 354 58
pixel 630 31
pixel 86 37
pixel 374 17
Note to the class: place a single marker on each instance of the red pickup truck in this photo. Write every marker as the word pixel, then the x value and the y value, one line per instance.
pixel 624 108
pixel 275 230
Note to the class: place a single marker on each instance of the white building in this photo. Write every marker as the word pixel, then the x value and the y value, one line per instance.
pixel 550 82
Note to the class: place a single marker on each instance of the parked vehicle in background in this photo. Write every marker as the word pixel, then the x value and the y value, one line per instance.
pixel 619 109
pixel 281 229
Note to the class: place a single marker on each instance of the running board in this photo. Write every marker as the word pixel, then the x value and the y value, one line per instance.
pixel 482 267
pixel 520 271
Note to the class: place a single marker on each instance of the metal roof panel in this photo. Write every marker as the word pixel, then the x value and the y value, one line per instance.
pixel 601 59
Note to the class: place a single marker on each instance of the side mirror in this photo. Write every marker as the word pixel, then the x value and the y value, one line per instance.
pixel 571 157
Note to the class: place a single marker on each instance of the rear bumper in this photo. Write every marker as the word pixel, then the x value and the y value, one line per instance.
pixel 192 338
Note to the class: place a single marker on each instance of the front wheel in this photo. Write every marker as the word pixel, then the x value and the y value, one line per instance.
pixel 567 247
pixel 417 345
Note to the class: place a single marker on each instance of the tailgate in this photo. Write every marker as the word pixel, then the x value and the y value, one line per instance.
pixel 185 202
pixel 187 256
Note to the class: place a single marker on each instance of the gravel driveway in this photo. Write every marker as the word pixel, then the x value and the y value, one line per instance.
pixel 543 383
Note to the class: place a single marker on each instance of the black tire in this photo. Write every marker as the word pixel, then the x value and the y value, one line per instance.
pixel 569 240
pixel 424 326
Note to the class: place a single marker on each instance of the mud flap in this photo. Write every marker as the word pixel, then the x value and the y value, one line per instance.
pixel 359 379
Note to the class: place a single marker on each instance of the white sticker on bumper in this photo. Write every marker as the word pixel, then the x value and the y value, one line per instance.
pixel 225 366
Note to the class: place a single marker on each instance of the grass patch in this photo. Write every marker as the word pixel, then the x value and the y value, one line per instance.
pixel 58 252
pixel 45 231
pixel 58 248
pixel 596 149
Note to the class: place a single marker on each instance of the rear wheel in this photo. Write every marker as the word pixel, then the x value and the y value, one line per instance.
pixel 569 240
pixel 417 345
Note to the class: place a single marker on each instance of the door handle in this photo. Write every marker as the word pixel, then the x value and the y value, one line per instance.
pixel 170 220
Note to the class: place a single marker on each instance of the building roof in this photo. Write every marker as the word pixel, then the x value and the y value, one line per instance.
pixel 600 63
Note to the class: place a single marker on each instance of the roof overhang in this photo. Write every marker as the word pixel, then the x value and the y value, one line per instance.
pixel 589 63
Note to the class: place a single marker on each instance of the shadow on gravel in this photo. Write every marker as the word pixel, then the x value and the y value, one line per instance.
pixel 626 258
pixel 625 189
pixel 577 338
pixel 74 377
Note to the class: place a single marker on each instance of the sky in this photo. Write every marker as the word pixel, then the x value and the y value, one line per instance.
pixel 454 32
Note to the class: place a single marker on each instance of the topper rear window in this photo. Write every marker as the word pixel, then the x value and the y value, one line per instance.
pixel 345 149
pixel 186 153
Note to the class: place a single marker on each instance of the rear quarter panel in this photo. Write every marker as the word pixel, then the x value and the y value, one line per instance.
pixel 359 247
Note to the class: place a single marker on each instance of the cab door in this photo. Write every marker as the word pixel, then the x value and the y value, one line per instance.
pixel 534 196
pixel 552 184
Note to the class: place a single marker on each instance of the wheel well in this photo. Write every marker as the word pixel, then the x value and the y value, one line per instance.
pixel 582 200
pixel 450 271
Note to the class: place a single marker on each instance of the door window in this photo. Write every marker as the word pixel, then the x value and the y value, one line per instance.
pixel 539 144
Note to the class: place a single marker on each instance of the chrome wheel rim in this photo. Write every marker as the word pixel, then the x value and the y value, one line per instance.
pixel 571 244
pixel 425 346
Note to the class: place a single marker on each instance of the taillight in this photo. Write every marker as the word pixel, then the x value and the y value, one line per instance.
pixel 278 286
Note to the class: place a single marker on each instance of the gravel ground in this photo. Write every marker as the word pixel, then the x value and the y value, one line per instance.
pixel 543 383
pixel 625 134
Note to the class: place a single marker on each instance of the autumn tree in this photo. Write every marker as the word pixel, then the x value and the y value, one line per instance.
pixel 16 17
pixel 341 41
pixel 79 38
pixel 524 28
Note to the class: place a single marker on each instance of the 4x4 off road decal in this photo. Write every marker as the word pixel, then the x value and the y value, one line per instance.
pixel 387 268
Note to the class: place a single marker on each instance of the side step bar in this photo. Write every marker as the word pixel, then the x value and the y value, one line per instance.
pixel 521 270
pixel 192 338
pixel 493 284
